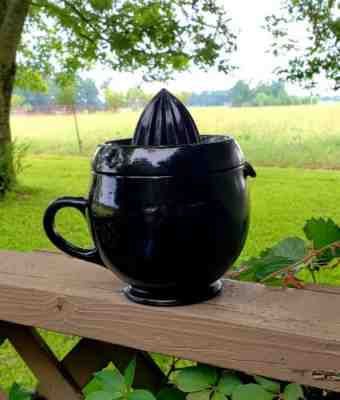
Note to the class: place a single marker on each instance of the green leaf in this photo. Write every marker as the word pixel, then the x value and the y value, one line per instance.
pixel 171 393
pixel 228 383
pixel 204 395
pixel 129 374
pixel 218 396
pixel 323 232
pixel 194 379
pixel 180 62
pixel 29 79
pixel 270 265
pixel 283 254
pixel 19 393
pixel 101 5
pixel 292 248
pixel 268 384
pixel 251 391
pixel 141 395
pixel 259 268
pixel 102 395
pixel 93 386
pixel 293 391
pixel 111 380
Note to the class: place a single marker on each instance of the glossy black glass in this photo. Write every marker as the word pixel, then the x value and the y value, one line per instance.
pixel 171 237
pixel 168 211
pixel 165 121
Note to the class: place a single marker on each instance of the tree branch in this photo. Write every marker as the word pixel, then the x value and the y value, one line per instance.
pixel 77 11
pixel 84 18
pixel 87 20
pixel 52 8
pixel 11 29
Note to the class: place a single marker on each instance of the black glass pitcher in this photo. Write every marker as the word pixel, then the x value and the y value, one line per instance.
pixel 168 219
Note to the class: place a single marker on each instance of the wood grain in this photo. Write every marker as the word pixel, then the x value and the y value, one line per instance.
pixel 286 334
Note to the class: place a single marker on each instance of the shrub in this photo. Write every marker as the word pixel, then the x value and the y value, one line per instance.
pixel 11 165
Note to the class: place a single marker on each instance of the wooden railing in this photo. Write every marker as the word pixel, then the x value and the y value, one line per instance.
pixel 288 334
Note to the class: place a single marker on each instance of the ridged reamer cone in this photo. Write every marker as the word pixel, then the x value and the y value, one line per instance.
pixel 165 121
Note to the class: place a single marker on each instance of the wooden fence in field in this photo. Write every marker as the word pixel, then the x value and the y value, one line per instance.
pixel 51 109
pixel 288 334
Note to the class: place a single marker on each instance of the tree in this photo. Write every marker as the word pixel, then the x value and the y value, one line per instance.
pixel 17 100
pixel 184 97
pixel 265 94
pixel 66 96
pixel 270 94
pixel 87 94
pixel 210 98
pixel 262 99
pixel 34 99
pixel 12 17
pixel 63 36
pixel 136 98
pixel 240 94
pixel 322 54
pixel 114 100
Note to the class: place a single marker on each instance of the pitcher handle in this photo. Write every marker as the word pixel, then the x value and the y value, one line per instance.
pixel 81 204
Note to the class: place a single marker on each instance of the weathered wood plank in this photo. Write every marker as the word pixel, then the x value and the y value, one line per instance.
pixel 54 382
pixel 90 356
pixel 283 333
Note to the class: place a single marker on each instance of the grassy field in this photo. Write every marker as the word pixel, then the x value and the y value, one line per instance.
pixel 282 198
pixel 307 136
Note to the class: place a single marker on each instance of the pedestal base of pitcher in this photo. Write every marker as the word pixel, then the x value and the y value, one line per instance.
pixel 179 298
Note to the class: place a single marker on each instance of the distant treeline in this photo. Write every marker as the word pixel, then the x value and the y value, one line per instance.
pixel 330 98
pixel 241 95
pixel 80 95
pixel 83 94
pixel 210 98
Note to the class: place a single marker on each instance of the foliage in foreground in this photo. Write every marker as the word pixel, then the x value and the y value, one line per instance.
pixel 11 164
pixel 320 56
pixel 197 382
pixel 156 37
pixel 283 264
pixel 19 393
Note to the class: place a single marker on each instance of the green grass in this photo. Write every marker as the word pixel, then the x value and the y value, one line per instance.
pixel 307 136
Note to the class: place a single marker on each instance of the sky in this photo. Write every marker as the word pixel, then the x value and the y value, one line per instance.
pixel 254 60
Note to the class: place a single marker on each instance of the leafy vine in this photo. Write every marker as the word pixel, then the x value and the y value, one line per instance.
pixel 287 263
